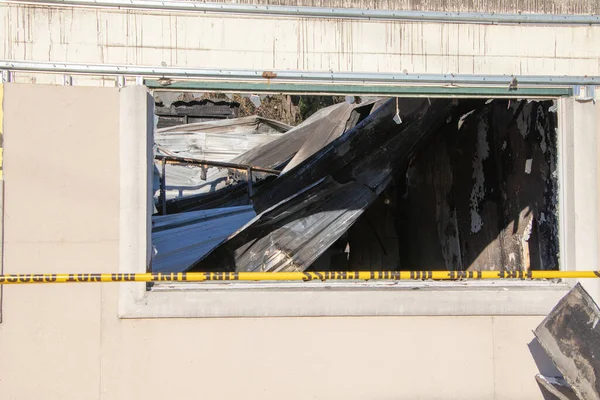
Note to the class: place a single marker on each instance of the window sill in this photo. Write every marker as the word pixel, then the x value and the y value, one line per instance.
pixel 320 299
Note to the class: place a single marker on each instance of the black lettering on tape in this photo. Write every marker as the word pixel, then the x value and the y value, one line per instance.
pixel 12 278
pixel 306 276
pixel 25 278
pixel 71 278
pixel 50 278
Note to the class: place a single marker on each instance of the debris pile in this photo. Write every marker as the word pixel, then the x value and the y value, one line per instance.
pixel 380 184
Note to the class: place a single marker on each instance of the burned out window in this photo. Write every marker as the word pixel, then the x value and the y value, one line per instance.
pixel 344 183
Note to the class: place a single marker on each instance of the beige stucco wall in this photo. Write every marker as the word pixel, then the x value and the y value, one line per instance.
pixel 198 40
pixel 66 341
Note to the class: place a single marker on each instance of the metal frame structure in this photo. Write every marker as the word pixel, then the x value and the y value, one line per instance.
pixel 166 74
pixel 205 163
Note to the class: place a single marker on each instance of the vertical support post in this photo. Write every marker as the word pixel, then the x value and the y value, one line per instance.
pixel 249 172
pixel 7 76
pixel 120 81
pixel 1 192
pixel 163 187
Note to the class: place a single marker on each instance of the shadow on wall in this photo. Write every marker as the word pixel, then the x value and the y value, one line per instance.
pixel 544 365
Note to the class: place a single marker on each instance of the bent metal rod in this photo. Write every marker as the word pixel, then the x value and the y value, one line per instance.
pixel 291 276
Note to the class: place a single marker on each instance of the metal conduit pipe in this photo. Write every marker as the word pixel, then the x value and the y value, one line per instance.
pixel 321 12
pixel 290 76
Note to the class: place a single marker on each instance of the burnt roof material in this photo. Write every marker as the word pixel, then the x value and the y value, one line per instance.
pixel 304 211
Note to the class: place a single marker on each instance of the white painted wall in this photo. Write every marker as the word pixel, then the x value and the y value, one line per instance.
pixel 67 342
pixel 62 213
pixel 140 37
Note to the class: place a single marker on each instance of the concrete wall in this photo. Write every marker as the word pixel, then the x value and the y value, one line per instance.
pixel 141 37
pixel 67 342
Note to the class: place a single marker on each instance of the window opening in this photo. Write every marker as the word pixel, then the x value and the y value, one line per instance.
pixel 342 183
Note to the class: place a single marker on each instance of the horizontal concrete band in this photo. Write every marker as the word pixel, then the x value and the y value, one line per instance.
pixel 321 12
pixel 292 276
pixel 294 76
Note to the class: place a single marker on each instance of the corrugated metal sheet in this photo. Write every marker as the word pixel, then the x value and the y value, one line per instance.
pixel 179 240
pixel 305 211
pixel 213 141
pixel 219 140
pixel 296 145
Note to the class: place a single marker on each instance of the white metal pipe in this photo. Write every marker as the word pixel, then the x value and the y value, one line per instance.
pixel 321 12
pixel 291 76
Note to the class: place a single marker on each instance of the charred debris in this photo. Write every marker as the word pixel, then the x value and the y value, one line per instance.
pixel 374 184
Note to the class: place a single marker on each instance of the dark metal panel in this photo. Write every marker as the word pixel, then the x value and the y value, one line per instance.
pixel 307 209
pixel 570 335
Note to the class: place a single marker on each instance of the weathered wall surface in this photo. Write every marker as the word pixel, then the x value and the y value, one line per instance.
pixel 141 37
pixel 66 342
pixel 499 6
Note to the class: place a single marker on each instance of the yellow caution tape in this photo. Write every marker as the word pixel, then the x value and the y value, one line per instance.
pixel 292 276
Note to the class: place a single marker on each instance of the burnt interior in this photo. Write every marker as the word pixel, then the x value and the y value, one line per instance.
pixel 480 193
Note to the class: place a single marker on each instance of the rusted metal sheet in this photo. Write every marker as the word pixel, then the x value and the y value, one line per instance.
pixel 306 210
pixel 570 335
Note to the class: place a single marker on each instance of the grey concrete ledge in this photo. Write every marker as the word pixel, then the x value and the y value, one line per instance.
pixel 171 301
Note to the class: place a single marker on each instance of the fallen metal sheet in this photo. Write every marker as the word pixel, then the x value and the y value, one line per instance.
pixel 277 153
pixel 570 335
pixel 305 211
pixel 305 139
pixel 214 141
pixel 178 240
pixel 340 120
pixel 557 387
